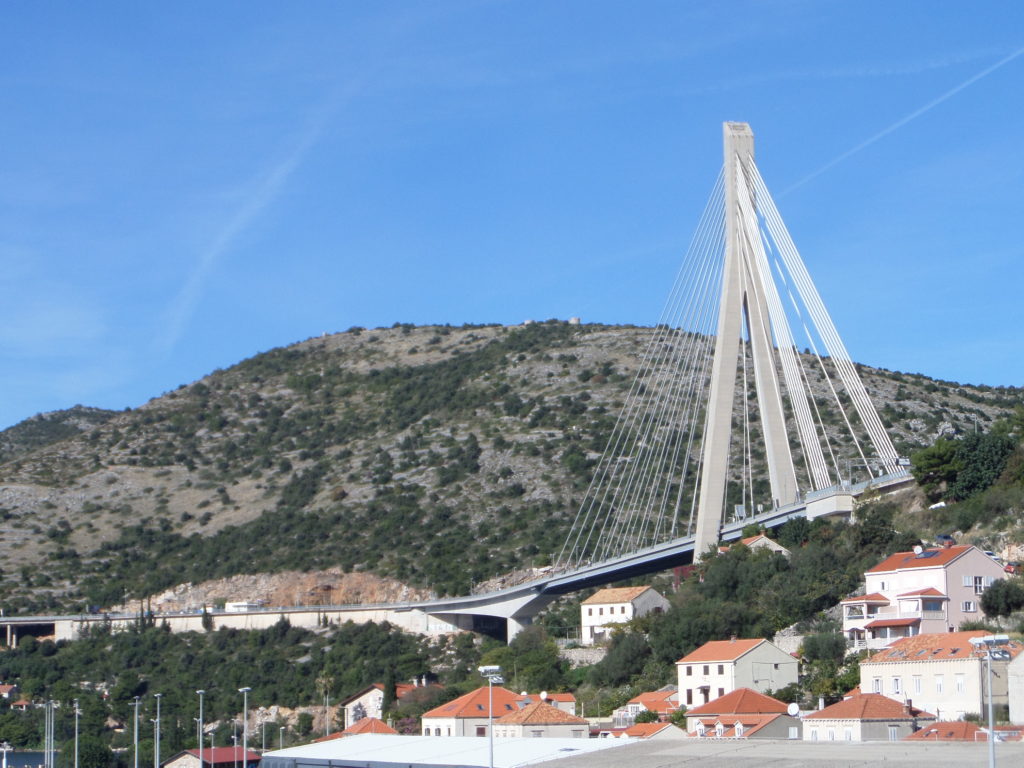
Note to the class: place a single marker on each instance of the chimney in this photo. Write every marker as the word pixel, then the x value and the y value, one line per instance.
pixel 821 703
pixel 947 543
pixel 732 638
pixel 908 707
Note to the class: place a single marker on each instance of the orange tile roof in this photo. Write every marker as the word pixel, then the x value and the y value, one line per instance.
pixel 891 623
pixel 926 592
pixel 721 650
pixel 540 713
pixel 958 730
pixel 855 691
pixel 646 730
pixel 945 645
pixel 369 725
pixel 741 701
pixel 929 558
pixel 474 704
pixel 555 696
pixel 751 725
pixel 869 706
pixel 662 702
pixel 615 595
pixel 874 597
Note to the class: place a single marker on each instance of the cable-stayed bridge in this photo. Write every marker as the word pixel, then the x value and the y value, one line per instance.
pixel 747 408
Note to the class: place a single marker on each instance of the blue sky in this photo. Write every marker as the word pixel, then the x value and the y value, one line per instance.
pixel 183 185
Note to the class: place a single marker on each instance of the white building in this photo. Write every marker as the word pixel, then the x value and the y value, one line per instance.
pixel 541 720
pixel 940 673
pixel 1015 677
pixel 921 592
pixel 721 666
pixel 616 605
pixel 865 717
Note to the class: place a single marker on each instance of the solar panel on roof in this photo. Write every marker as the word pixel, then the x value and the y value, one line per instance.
pixel 927 553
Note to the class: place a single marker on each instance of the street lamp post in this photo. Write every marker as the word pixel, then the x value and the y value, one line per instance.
pixel 281 741
pixel 989 645
pixel 77 712
pixel 245 722
pixel 156 733
pixel 200 692
pixel 135 735
pixel 263 728
pixel 493 675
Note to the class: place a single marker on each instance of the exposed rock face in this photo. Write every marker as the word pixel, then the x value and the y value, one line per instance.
pixel 330 587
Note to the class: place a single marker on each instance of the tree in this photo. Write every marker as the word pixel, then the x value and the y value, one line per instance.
pixel 646 717
pixel 304 723
pixel 936 466
pixel 1003 598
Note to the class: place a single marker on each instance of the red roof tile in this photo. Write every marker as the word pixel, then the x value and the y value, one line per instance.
pixel 891 623
pixel 945 645
pixel 929 558
pixel 615 595
pixel 741 701
pixel 646 730
pixel 662 702
pixel 751 725
pixel 874 597
pixel 926 592
pixel 868 706
pixel 540 713
pixel 474 704
pixel 221 755
pixel 369 725
pixel 721 650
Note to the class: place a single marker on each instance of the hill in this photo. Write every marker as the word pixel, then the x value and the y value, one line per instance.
pixel 436 456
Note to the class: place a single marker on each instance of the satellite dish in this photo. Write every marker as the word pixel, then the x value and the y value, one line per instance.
pixel 918 549
pixel 543 695
pixel 793 709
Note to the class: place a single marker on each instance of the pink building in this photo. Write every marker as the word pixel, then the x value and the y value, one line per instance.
pixel 919 592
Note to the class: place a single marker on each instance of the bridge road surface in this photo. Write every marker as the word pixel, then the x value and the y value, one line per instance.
pixel 757 753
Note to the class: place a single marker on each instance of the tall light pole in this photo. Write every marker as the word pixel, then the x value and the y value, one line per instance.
pixel 245 722
pixel 263 727
pixel 135 737
pixel 989 645
pixel 77 712
pixel 281 741
pixel 156 736
pixel 200 692
pixel 493 675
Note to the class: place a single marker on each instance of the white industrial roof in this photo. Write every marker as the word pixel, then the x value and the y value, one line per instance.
pixel 382 751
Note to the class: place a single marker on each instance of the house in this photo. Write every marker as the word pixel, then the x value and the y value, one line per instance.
pixel 942 673
pixel 616 605
pixel 926 591
pixel 468 714
pixel 564 701
pixel 369 702
pixel 1015 678
pixel 658 731
pixel 758 542
pixel 962 730
pixel 865 717
pixel 662 702
pixel 215 757
pixel 541 720
pixel 743 713
pixel 8 691
pixel 366 725
pixel 721 666
pixel 21 705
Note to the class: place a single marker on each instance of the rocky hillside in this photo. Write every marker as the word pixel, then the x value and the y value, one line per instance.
pixel 436 456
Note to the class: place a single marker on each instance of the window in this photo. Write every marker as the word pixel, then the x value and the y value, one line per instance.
pixel 967 581
pixel 968 606
pixel 437 731
pixel 881 586
pixel 794 732
pixel 847 734
pixel 689 671
pixel 426 731
pixel 894 733
pixel 706 669
pixel 876 685
pixel 831 734
pixel 536 734
pixel 622 609
pixel 721 669
pixel 721 692
pixel 600 611
pixel 897 686
pixel 938 683
pixel 590 611
pixel 979 584
pixel 814 734
pixel 917 683
pixel 481 730
pixel 960 682
pixel 449 730
pixel 689 696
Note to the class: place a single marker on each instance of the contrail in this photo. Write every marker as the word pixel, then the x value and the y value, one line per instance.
pixel 903 121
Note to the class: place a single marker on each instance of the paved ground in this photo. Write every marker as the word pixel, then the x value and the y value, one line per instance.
pixel 793 754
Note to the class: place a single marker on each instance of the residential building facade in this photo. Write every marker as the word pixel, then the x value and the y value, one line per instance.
pixel 721 666
pixel 941 673
pixel 865 717
pixel 540 720
pixel 469 715
pixel 662 702
pixel 926 591
pixel 600 612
